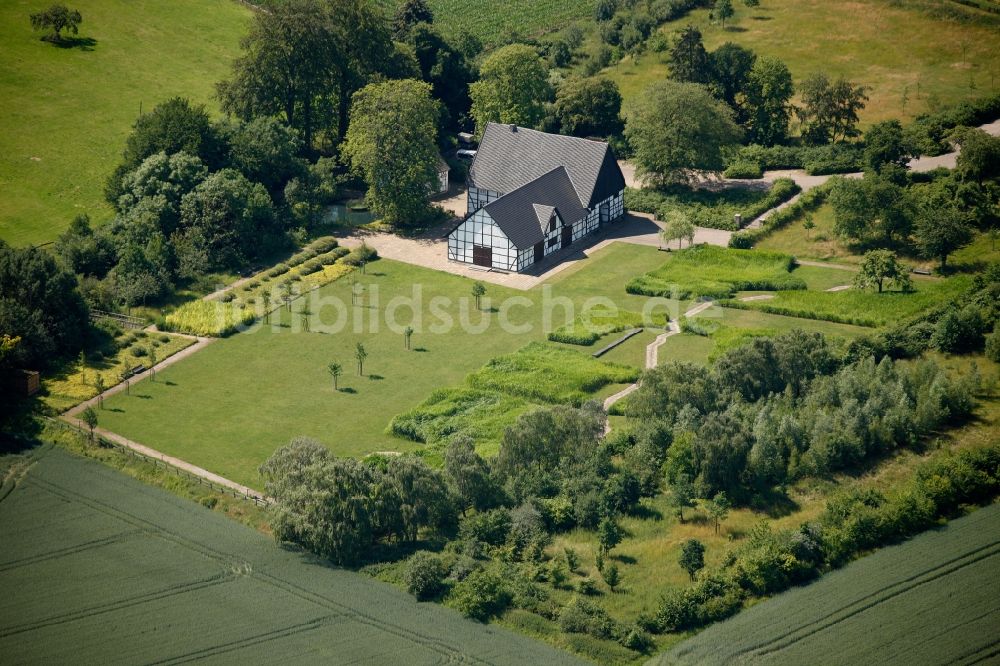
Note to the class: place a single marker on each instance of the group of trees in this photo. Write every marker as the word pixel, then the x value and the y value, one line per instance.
pixel 779 409
pixel 932 215
pixel 42 315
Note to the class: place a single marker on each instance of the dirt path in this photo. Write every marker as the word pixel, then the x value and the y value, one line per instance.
pixel 652 356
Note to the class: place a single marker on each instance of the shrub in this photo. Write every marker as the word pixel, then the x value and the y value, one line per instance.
pixel 482 594
pixel 310 266
pixel 993 345
pixel 582 616
pixel 743 169
pixel 139 352
pixel 279 269
pixel 359 255
pixel 323 244
pixel 424 576
pixel 164 338
pixel 228 297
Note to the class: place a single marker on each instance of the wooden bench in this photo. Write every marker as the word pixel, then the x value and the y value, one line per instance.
pixel 137 370
pixel 920 271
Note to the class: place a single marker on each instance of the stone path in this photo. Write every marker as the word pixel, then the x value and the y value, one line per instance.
pixel 841 287
pixel 758 297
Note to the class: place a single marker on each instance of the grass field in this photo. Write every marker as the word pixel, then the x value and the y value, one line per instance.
pixel 892 49
pixel 716 272
pixel 98 567
pixel 863 308
pixel 67 111
pixel 244 396
pixel 934 599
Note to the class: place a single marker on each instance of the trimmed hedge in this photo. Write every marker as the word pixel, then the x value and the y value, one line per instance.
pixel 808 202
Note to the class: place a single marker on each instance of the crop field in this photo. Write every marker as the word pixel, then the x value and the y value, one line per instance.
pixel 67 111
pixel 862 308
pixel 245 396
pixel 934 599
pixel 98 567
pixel 912 60
pixel 717 272
pixel 496 22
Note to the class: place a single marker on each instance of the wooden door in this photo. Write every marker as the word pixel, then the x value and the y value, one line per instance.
pixel 539 251
pixel 482 256
pixel 567 235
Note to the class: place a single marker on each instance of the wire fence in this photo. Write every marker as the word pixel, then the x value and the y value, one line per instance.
pixel 125 321
pixel 105 442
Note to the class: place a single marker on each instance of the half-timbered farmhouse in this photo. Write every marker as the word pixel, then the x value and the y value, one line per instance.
pixel 531 194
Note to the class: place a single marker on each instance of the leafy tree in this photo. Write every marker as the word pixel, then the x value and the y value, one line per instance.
pixel 84 251
pixel 993 344
pixel 407 334
pixel 689 62
pixel 174 126
pixel 157 185
pixel 723 10
pixel 152 365
pixel 886 146
pixel 478 291
pixel 41 305
pixel 979 159
pixel 751 3
pixel 829 111
pixel 483 593
pixel 398 120
pixel 409 14
pixel 304 59
pixel 871 209
pixel 469 476
pixel 676 127
pixel 769 91
pixel 421 496
pixel 360 354
pixel 731 66
pixel 266 151
pixel 589 107
pixel 89 417
pixel 678 227
pixel 321 503
pixel 605 10
pixel 55 19
pixel 718 509
pixel 609 534
pixel 682 495
pixel 879 266
pixel 336 370
pixel 692 557
pixel 424 575
pixel 231 219
pixel 611 575
pixel 941 225
pixel 449 71
pixel 512 88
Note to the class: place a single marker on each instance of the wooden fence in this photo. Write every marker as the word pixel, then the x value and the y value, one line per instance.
pixel 259 500
pixel 125 321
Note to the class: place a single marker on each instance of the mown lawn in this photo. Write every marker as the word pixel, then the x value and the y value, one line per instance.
pixel 887 46
pixel 67 111
pixel 244 396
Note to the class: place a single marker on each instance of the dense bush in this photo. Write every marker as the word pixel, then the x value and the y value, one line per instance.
pixel 425 575
pixel 360 255
pixel 483 593
pixel 743 168
pixel 816 160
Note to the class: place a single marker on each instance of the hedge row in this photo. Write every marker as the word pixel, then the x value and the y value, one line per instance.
pixel 808 202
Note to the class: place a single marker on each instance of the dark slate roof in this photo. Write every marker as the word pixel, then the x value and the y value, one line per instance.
pixel 544 215
pixel 511 156
pixel 516 213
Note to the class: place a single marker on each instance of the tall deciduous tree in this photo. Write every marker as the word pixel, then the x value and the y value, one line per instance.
pixel 877 267
pixel 447 69
pixel 409 14
pixel 589 107
pixel 469 476
pixel 89 418
pixel 689 62
pixel 872 209
pixel 512 88
pixel 886 146
pixel 769 91
pixel 731 66
pixel 829 111
pixel 676 127
pixel 979 159
pixel 360 355
pixel 392 143
pixel 55 19
pixel 941 226
pixel 723 10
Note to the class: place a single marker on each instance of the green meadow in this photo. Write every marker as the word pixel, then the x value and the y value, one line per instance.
pixel 68 109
